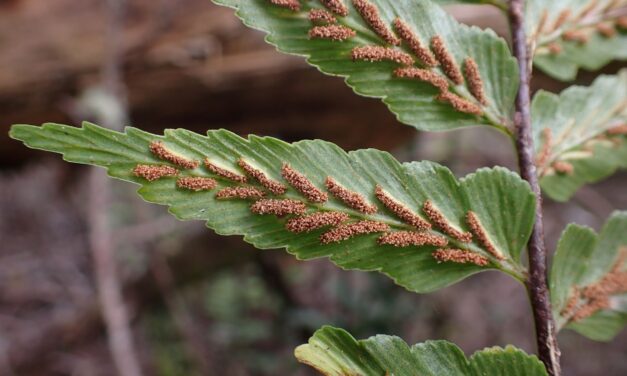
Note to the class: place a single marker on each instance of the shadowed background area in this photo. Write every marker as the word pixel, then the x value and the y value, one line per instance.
pixel 196 303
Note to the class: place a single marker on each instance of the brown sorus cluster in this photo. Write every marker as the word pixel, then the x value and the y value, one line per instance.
pixel 336 6
pixel 473 78
pixel 617 130
pixel 563 167
pixel 273 186
pixel 401 211
pixel 370 13
pixel 544 153
pixel 152 172
pixel 597 295
pixel 407 238
pixel 350 230
pixel 303 185
pixel 591 308
pixel 571 303
pixel 482 235
pixel 620 264
pixel 622 22
pixel 321 15
pixel 415 45
pixel 240 192
pixel 352 199
pixel 460 256
pixel 224 172
pixel 561 19
pixel 554 48
pixel 159 149
pixel 333 32
pixel 459 103
pixel 608 287
pixel 380 53
pixel 278 207
pixel 289 4
pixel 441 222
pixel 196 183
pixel 423 75
pixel 447 61
pixel 575 36
pixel 614 282
pixel 606 29
pixel 315 221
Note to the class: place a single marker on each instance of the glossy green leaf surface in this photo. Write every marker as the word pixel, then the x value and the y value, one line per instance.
pixel 503 202
pixel 334 352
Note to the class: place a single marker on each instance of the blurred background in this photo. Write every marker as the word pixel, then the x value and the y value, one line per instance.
pixel 177 299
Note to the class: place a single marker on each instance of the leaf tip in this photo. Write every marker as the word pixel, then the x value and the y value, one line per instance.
pixel 16 130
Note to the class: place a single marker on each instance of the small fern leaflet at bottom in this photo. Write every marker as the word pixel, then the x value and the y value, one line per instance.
pixel 334 352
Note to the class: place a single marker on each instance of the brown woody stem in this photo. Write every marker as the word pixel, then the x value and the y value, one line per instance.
pixel 536 283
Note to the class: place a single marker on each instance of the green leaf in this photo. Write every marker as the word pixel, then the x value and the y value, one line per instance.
pixel 498 3
pixel 579 40
pixel 502 201
pixel 334 352
pixel 452 2
pixel 501 4
pixel 587 269
pixel 411 100
pixel 510 361
pixel 584 125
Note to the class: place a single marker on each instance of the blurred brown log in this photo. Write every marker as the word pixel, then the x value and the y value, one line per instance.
pixel 199 69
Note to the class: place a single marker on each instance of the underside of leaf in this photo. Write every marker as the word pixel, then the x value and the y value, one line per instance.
pixel 589 279
pixel 334 352
pixel 580 135
pixel 572 34
pixel 431 71
pixel 364 210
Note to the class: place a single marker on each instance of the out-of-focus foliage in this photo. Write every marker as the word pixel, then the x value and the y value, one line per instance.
pixel 589 279
pixel 580 135
pixel 572 34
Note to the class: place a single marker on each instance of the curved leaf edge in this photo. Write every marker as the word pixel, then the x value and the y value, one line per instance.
pixel 517 272
pixel 502 45
pixel 606 157
pixel 334 351
pixel 604 324
pixel 562 57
